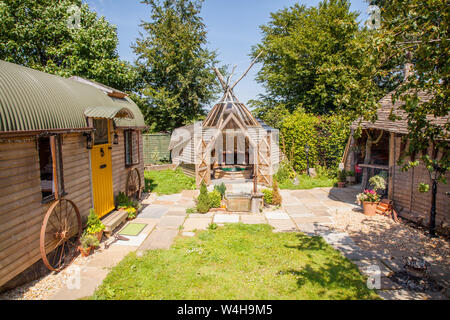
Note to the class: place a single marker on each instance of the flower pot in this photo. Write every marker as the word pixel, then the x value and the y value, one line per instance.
pixel 370 208
pixel 84 251
pixel 341 184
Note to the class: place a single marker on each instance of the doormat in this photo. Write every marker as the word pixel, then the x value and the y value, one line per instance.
pixel 132 229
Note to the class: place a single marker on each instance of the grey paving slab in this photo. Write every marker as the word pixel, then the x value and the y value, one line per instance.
pixel 188 234
pixel 318 220
pixel 226 218
pixel 201 215
pixel 282 225
pixel 153 212
pixel 176 213
pixel 170 197
pixel 279 215
pixel 192 224
pixel 302 215
pixel 170 222
pixel 295 208
pixel 253 219
pixel 307 228
pixel 159 239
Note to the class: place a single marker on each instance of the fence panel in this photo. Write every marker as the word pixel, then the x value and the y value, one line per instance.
pixel 156 148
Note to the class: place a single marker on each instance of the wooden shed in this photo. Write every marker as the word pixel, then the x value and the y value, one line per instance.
pixel 380 147
pixel 66 145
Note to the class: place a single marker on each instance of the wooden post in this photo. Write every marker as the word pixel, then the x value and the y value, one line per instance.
pixel 391 166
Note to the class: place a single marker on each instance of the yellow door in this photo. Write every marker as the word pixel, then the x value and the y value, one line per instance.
pixel 101 164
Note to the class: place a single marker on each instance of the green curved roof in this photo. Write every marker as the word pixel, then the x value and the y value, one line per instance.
pixel 32 100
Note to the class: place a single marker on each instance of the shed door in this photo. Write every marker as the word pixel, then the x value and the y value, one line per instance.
pixel 101 164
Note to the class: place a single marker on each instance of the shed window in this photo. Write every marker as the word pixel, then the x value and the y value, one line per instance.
pixel 101 135
pixel 131 147
pixel 51 169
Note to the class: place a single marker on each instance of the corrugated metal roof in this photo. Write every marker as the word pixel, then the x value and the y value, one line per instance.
pixel 33 100
pixel 108 112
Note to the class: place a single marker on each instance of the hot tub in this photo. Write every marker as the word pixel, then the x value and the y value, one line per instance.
pixel 233 172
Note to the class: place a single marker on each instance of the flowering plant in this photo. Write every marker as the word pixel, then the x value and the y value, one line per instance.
pixel 368 195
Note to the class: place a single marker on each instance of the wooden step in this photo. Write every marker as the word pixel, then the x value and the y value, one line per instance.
pixel 113 220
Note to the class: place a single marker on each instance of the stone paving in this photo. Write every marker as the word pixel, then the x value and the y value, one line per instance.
pixel 309 211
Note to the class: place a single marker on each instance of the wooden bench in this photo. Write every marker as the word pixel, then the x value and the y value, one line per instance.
pixel 113 220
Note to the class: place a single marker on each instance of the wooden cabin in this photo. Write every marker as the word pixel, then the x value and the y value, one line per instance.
pixel 60 139
pixel 379 149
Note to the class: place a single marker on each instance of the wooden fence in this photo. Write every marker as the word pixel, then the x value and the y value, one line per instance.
pixel 156 148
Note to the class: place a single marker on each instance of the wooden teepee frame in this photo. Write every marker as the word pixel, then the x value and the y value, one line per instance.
pixel 228 109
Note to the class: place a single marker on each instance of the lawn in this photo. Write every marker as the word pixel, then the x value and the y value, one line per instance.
pixel 237 262
pixel 168 181
pixel 306 182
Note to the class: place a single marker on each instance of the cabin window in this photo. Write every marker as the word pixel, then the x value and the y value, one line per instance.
pixel 50 165
pixel 101 135
pixel 131 147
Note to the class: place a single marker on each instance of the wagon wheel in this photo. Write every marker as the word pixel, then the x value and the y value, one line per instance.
pixel 134 184
pixel 60 232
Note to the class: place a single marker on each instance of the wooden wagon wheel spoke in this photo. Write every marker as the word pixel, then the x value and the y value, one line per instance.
pixel 60 232
pixel 133 186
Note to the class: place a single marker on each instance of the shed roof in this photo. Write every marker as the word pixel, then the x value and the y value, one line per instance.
pixel 398 126
pixel 32 100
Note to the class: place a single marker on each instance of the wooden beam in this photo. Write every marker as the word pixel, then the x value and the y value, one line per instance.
pixel 391 166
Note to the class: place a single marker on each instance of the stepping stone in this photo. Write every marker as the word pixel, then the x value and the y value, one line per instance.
pixel 283 225
pixel 176 211
pixel 201 215
pixel 226 218
pixel 341 238
pixel 296 208
pixel 171 222
pixel 188 234
pixel 192 224
pixel 169 197
pixel 278 215
pixel 163 203
pixel 153 212
pixel 253 219
pixel 302 215
pixel 159 239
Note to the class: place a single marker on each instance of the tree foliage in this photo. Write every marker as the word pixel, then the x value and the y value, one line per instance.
pixel 417 32
pixel 36 34
pixel 316 58
pixel 174 64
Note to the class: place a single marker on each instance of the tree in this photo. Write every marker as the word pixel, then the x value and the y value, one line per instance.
pixel 416 32
pixel 175 64
pixel 316 58
pixel 39 35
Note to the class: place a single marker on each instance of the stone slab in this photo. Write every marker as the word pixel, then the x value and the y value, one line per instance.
pixel 190 193
pixel 278 215
pixel 153 212
pixel 201 215
pixel 159 239
pixel 188 234
pixel 170 197
pixel 192 224
pixel 253 219
pixel 283 225
pixel 296 209
pixel 318 220
pixel 226 218
pixel 133 241
pixel 307 228
pixel 170 222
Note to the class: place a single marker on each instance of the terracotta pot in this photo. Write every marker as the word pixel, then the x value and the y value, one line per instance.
pixel 341 184
pixel 84 251
pixel 370 208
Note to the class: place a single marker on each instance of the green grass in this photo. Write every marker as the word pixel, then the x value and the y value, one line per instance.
pixel 237 262
pixel 306 182
pixel 168 181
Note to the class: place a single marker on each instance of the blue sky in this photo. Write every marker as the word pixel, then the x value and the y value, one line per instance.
pixel 232 25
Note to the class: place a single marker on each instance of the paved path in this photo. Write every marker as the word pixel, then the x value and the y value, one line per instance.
pixel 309 211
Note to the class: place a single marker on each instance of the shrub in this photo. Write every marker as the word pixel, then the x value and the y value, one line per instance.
pixel 378 182
pixel 221 188
pixel 214 199
pixel 276 197
pixel 268 195
pixel 122 201
pixel 191 210
pixel 285 171
pixel 342 174
pixel 203 201
pixel 88 240
pixel 213 226
pixel 94 224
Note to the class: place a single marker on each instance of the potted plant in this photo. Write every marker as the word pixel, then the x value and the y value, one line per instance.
pixel 94 225
pixel 351 178
pixel 342 174
pixel 369 199
pixel 88 242
pixel 131 213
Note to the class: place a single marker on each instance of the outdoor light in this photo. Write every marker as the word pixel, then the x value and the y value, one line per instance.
pixel 116 138
pixel 307 159
pixel 89 141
